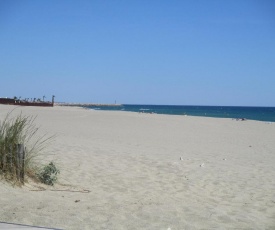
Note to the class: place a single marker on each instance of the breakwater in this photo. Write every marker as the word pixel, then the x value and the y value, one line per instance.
pixel 86 104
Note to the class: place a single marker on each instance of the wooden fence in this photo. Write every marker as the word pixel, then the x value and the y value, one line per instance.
pixel 20 164
pixel 12 162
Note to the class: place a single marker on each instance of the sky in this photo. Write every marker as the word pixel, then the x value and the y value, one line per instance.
pixel 174 52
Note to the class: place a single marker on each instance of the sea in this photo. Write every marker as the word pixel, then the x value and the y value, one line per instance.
pixel 234 112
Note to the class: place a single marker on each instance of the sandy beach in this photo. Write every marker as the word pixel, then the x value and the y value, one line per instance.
pixel 124 170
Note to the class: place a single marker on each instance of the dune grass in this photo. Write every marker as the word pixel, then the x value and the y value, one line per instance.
pixel 21 130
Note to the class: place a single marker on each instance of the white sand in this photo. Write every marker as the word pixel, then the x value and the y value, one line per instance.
pixel 131 165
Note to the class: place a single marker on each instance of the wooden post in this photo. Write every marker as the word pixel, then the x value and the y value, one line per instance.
pixel 53 100
pixel 4 159
pixel 20 162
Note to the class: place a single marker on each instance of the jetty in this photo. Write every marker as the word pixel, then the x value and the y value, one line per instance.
pixel 86 104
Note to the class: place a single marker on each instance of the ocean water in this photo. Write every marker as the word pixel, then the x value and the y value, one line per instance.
pixel 236 112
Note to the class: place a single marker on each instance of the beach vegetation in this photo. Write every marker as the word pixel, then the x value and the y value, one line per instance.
pixel 48 175
pixel 21 131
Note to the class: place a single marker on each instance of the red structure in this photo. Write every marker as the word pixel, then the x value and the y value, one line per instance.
pixel 10 101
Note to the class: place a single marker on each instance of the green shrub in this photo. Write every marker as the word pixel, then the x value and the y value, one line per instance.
pixel 20 130
pixel 48 174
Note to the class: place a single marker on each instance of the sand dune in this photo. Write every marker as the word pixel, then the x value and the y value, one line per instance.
pixel 123 170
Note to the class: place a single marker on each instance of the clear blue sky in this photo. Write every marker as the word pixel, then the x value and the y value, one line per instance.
pixel 196 52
